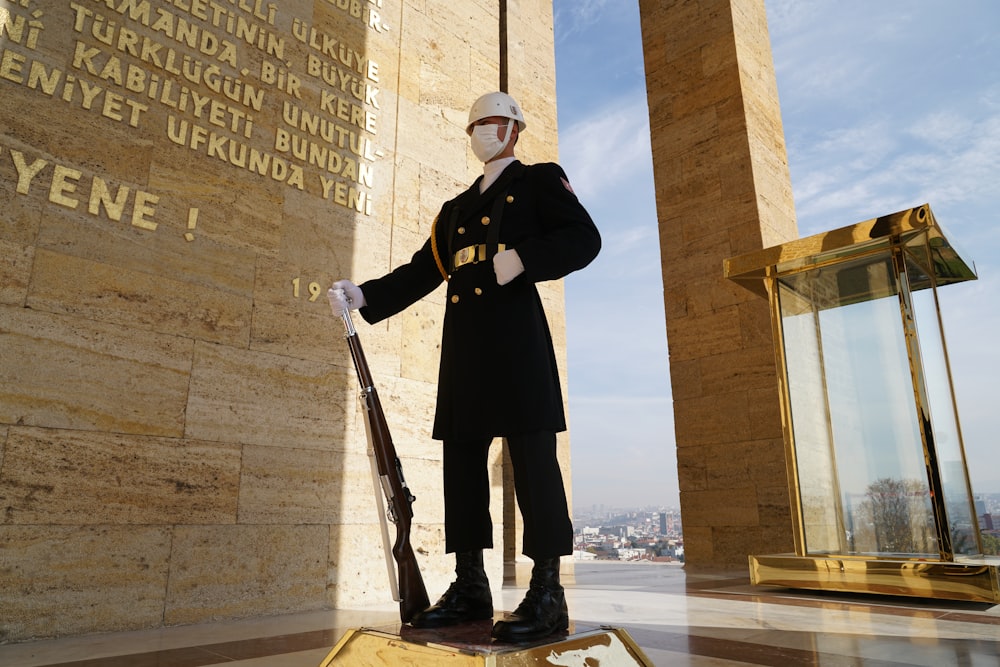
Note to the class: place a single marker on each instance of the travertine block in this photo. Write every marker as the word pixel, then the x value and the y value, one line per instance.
pixel 311 245
pixel 435 140
pixel 421 352
pixel 305 399
pixel 243 211
pixel 484 71
pixel 685 378
pixel 774 510
pixel 409 407
pixel 707 296
pixel 436 186
pixel 692 469
pixel 699 538
pixel 294 332
pixel 82 477
pixel 372 251
pixel 111 577
pixel 742 464
pixel 732 543
pixel 202 263
pixel 710 420
pixel 65 372
pixel 769 467
pixel 765 415
pixel 238 570
pixel 755 325
pixel 107 293
pixel 553 295
pixel 14 272
pixel 705 335
pixel 750 368
pixel 407 211
pixel 22 213
pixel 437 567
pixel 444 67
pixel 734 506
pixel 357 556
pixel 382 342
pixel 304 486
pixel 694 244
pixel 300 486
pixel 403 244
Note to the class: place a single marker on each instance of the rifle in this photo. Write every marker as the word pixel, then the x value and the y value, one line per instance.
pixel 387 474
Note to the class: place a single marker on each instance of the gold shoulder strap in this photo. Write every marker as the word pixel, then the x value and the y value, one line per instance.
pixel 434 249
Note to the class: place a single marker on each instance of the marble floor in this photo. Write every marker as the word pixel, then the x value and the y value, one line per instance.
pixel 676 618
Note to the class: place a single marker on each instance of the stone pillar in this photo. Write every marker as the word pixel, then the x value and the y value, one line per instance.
pixel 722 188
pixel 180 435
pixel 527 45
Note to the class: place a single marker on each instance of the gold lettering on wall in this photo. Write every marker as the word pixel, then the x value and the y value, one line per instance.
pixel 201 75
pixel 315 289
pixel 67 187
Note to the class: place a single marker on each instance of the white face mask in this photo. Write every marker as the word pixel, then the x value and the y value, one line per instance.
pixel 485 143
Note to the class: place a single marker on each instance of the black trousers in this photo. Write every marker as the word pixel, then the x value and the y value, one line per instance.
pixel 538 485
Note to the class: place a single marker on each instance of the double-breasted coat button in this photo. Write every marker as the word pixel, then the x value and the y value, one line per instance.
pixel 479 291
pixel 510 199
pixel 461 230
pixel 486 220
pixel 454 298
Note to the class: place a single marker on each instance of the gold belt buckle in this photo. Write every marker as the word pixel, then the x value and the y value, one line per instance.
pixel 473 254
pixel 465 255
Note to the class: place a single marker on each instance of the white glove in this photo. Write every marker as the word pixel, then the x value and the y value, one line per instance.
pixel 345 295
pixel 507 265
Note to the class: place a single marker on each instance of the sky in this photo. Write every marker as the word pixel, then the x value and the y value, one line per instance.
pixel 885 105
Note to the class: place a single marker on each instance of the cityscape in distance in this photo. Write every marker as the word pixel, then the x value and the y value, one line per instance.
pixel 645 534
pixel 655 533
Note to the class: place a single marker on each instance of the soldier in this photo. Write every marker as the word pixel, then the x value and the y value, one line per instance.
pixel 517 225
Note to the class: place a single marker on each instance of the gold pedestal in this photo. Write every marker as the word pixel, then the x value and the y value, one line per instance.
pixel 971 579
pixel 470 644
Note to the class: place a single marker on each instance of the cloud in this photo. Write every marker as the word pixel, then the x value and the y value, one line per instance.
pixel 878 120
pixel 620 295
pixel 941 128
pixel 876 167
pixel 577 16
pixel 609 147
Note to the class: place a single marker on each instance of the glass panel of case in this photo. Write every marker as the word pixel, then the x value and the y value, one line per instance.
pixel 859 454
pixel 942 415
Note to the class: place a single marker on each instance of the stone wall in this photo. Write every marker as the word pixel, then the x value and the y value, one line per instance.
pixel 722 189
pixel 180 438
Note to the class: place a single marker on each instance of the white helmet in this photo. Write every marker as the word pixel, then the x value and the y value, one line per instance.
pixel 495 104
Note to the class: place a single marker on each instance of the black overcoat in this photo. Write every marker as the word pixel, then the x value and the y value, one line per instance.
pixel 498 374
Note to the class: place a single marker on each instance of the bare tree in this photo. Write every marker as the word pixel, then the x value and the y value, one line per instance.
pixel 898 514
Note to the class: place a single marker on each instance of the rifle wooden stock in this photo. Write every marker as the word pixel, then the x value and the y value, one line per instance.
pixel 412 593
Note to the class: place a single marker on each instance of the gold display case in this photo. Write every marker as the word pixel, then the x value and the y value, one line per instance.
pixel 879 488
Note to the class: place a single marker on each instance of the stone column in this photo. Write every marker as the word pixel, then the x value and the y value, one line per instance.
pixel 527 46
pixel 722 188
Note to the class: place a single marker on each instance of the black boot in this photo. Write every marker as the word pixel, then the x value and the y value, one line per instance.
pixel 543 610
pixel 467 599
